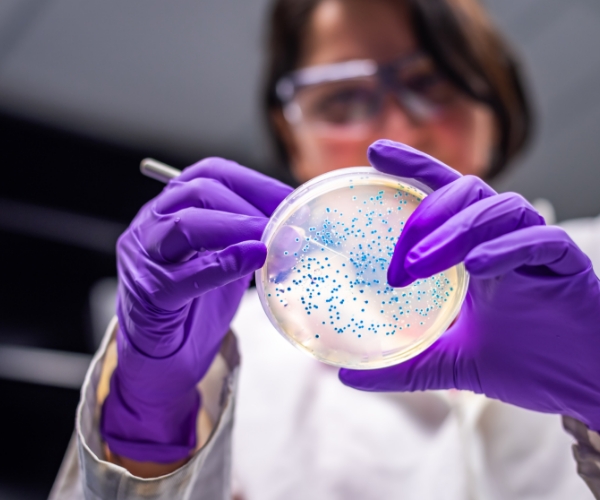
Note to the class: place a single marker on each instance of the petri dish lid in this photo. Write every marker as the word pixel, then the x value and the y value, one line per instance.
pixel 324 283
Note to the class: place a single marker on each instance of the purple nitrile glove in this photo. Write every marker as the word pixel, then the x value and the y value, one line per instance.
pixel 528 332
pixel 183 265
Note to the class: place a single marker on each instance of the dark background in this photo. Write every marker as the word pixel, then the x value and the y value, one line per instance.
pixel 88 89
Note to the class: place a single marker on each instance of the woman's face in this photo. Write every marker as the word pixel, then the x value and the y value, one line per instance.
pixel 461 134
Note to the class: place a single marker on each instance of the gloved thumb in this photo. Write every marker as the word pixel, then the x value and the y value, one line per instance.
pixel 433 369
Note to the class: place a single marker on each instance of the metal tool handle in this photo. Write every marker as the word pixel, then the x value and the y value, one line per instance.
pixel 158 170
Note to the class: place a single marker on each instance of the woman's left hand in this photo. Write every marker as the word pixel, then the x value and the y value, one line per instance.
pixel 528 332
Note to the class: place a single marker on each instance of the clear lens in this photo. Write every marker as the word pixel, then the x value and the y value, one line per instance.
pixel 420 77
pixel 341 103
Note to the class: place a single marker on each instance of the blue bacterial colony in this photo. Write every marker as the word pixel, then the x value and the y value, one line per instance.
pixel 325 278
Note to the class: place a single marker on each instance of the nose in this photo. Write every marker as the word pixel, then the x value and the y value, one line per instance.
pixel 400 125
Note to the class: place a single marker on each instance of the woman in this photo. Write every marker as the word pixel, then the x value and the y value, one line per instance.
pixel 344 73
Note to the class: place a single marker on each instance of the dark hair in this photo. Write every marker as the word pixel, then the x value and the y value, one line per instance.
pixel 459 37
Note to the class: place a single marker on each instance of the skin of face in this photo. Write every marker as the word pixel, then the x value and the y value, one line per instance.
pixel 342 30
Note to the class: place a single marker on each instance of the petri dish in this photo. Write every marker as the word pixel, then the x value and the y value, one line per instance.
pixel 324 283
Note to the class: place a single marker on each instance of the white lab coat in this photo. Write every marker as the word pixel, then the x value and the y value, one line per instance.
pixel 300 434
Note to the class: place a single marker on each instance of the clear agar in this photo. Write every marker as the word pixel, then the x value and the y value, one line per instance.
pixel 324 283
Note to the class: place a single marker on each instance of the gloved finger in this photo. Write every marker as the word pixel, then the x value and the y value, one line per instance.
pixel 203 193
pixel 434 211
pixel 485 220
pixel 399 159
pixel 171 286
pixel 547 246
pixel 259 190
pixel 433 369
pixel 176 237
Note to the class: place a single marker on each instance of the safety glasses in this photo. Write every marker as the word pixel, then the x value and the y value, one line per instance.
pixel 350 97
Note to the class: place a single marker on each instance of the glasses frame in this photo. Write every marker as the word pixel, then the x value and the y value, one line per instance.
pixel 417 107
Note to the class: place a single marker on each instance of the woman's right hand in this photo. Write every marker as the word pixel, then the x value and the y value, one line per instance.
pixel 183 265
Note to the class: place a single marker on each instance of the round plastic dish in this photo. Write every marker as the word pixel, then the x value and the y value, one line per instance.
pixel 324 285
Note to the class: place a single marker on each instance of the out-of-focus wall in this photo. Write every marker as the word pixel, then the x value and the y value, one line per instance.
pixel 176 75
pixel 560 47
pixel 184 76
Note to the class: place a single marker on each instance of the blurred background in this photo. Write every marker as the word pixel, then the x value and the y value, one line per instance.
pixel 87 89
